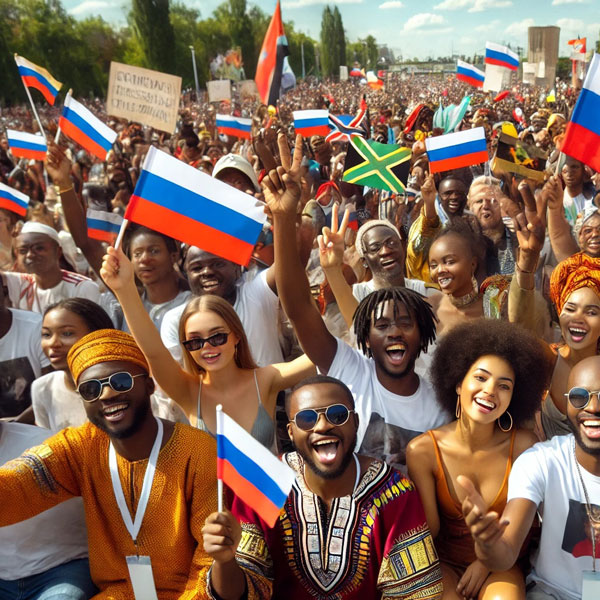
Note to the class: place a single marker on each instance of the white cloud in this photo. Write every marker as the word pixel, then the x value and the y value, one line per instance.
pixel 391 4
pixel 303 3
pixel 570 24
pixel 559 2
pixel 486 27
pixel 88 6
pixel 481 5
pixel 427 23
pixel 453 4
pixel 519 28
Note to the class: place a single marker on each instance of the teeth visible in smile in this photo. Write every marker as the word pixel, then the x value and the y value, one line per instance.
pixel 577 331
pixel 325 442
pixel 444 280
pixel 393 347
pixel 114 409
pixel 485 403
pixel 591 423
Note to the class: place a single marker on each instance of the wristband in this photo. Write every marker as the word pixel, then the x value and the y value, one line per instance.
pixel 65 190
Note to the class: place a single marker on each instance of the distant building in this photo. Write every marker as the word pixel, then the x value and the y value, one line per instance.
pixel 543 53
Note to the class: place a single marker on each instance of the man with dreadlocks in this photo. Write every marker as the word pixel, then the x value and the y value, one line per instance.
pixel 393 326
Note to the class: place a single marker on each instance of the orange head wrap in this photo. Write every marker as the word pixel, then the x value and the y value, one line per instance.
pixel 104 345
pixel 573 273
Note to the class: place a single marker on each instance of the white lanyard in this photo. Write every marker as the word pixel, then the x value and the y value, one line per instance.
pixel 133 527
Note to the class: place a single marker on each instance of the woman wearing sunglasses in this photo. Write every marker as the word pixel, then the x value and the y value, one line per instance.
pixel 218 363
pixel 483 372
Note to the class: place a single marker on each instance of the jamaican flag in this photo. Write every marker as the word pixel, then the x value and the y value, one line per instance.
pixel 381 166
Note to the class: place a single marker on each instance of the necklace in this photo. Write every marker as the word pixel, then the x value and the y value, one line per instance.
pixel 468 298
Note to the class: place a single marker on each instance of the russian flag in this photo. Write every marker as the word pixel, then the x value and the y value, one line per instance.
pixel 13 200
pixel 311 122
pixel 503 56
pixel 456 150
pixel 83 127
pixel 191 206
pixel 253 473
pixel 582 137
pixel 38 78
pixel 234 126
pixel 469 74
pixel 103 226
pixel 26 145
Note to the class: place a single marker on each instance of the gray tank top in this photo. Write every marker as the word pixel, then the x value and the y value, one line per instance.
pixel 553 421
pixel 263 428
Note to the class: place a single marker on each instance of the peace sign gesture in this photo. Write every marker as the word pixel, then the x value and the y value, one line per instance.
pixel 331 243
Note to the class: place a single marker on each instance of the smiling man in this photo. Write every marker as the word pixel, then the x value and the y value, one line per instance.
pixel 559 478
pixel 348 524
pixel 124 461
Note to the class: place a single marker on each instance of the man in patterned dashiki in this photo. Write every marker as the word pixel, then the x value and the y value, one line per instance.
pixel 352 527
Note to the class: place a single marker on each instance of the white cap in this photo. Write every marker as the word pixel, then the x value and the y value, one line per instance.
pixel 35 227
pixel 235 161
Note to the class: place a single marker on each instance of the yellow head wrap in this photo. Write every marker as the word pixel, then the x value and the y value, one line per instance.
pixel 104 345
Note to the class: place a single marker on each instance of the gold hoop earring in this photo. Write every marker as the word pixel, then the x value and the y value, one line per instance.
pixel 474 284
pixel 511 422
pixel 458 408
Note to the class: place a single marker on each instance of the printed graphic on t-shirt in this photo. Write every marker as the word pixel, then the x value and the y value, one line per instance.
pixel 16 376
pixel 577 539
pixel 387 442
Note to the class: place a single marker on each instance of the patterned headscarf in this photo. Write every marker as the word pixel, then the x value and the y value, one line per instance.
pixel 573 273
pixel 104 345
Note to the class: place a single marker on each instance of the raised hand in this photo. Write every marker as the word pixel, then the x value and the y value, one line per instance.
pixel 530 227
pixel 58 166
pixel 331 243
pixel 553 193
pixel 222 534
pixel 116 270
pixel 428 191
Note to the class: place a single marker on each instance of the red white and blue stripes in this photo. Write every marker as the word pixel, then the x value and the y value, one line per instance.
pixel 456 150
pixel 26 145
pixel 83 127
pixel 13 200
pixel 103 226
pixel 236 126
pixel 253 473
pixel 502 56
pixel 189 205
pixel 311 122
pixel 469 74
pixel 39 78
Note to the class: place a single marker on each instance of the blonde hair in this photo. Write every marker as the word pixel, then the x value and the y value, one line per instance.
pixel 222 308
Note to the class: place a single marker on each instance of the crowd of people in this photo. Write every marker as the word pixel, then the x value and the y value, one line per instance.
pixel 430 375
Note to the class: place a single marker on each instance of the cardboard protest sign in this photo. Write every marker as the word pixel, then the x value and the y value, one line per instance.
pixel 494 78
pixel 218 90
pixel 248 89
pixel 514 156
pixel 143 95
pixel 343 73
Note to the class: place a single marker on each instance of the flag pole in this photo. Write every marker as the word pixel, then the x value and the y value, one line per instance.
pixel 37 118
pixel 57 137
pixel 219 480
pixel 121 233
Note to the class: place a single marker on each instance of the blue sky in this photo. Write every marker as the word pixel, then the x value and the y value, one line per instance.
pixel 413 27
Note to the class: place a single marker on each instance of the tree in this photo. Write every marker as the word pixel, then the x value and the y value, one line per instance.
pixel 372 51
pixel 327 42
pixel 340 41
pixel 295 42
pixel 152 26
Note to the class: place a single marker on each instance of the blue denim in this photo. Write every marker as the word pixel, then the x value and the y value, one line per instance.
pixel 71 581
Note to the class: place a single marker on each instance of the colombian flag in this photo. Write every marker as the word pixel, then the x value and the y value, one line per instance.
pixel 38 78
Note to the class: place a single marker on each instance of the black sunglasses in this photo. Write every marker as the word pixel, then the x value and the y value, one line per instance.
pixel 336 414
pixel 197 343
pixel 579 397
pixel 120 382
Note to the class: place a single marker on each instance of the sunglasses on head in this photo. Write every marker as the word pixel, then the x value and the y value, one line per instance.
pixel 197 343
pixel 121 382
pixel 336 414
pixel 579 397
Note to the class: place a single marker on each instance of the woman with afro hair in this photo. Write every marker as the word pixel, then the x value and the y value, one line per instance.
pixel 492 376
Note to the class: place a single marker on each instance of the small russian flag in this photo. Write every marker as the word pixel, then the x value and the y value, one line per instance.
pixel 235 126
pixel 38 78
pixel 191 206
pixel 13 200
pixel 253 473
pixel 311 122
pixel 456 150
pixel 469 74
pixel 582 137
pixel 83 127
pixel 103 226
pixel 503 56
pixel 26 145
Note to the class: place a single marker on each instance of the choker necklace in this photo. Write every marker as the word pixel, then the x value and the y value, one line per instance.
pixel 468 298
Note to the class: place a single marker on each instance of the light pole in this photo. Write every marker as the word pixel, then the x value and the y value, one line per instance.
pixel 195 73
pixel 302 51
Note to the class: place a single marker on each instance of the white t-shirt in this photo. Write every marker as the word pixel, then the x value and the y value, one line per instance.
pixel 387 421
pixel 256 305
pixel 21 361
pixel 363 289
pixel 55 536
pixel 24 292
pixel 547 475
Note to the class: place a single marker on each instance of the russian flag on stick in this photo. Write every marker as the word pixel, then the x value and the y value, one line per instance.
pixel 83 127
pixel 469 74
pixel 234 126
pixel 38 78
pixel 191 206
pixel 103 226
pixel 311 122
pixel 253 473
pixel 456 150
pixel 13 200
pixel 582 138
pixel 503 56
pixel 26 145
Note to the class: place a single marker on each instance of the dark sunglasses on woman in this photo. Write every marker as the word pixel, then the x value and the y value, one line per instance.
pixel 197 343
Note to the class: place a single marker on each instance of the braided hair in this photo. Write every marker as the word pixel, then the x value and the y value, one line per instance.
pixel 371 307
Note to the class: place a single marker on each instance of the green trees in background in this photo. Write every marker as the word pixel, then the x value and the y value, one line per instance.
pixel 333 42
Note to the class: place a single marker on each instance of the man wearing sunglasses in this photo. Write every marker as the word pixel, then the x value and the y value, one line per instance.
pixel 348 523
pixel 147 484
pixel 560 478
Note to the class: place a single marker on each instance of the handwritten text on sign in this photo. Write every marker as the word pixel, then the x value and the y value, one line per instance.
pixel 142 95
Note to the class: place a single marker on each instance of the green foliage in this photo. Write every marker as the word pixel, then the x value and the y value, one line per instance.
pixel 152 27
pixel 333 42
pixel 563 67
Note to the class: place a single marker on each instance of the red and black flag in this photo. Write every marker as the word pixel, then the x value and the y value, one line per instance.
pixel 271 60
